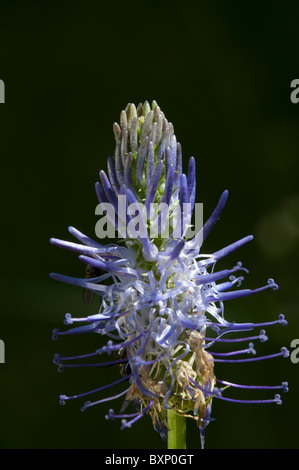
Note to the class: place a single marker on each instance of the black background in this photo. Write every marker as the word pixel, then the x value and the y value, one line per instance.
pixel 221 72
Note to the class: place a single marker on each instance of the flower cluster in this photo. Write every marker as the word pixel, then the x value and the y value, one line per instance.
pixel 161 299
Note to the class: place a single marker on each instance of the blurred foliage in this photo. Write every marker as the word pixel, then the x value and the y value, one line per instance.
pixel 221 72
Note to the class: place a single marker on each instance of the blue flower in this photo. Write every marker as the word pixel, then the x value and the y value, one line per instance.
pixel 162 302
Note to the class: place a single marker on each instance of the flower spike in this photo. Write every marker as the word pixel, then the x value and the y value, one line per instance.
pixel 161 299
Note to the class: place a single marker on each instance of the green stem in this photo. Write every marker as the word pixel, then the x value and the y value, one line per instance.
pixel 177 431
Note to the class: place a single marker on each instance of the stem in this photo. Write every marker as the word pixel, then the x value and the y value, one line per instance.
pixel 177 431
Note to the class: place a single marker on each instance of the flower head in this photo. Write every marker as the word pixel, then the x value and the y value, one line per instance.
pixel 162 302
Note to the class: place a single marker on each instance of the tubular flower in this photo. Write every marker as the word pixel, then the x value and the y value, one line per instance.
pixel 161 298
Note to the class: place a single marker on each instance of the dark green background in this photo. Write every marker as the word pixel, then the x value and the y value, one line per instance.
pixel 221 72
